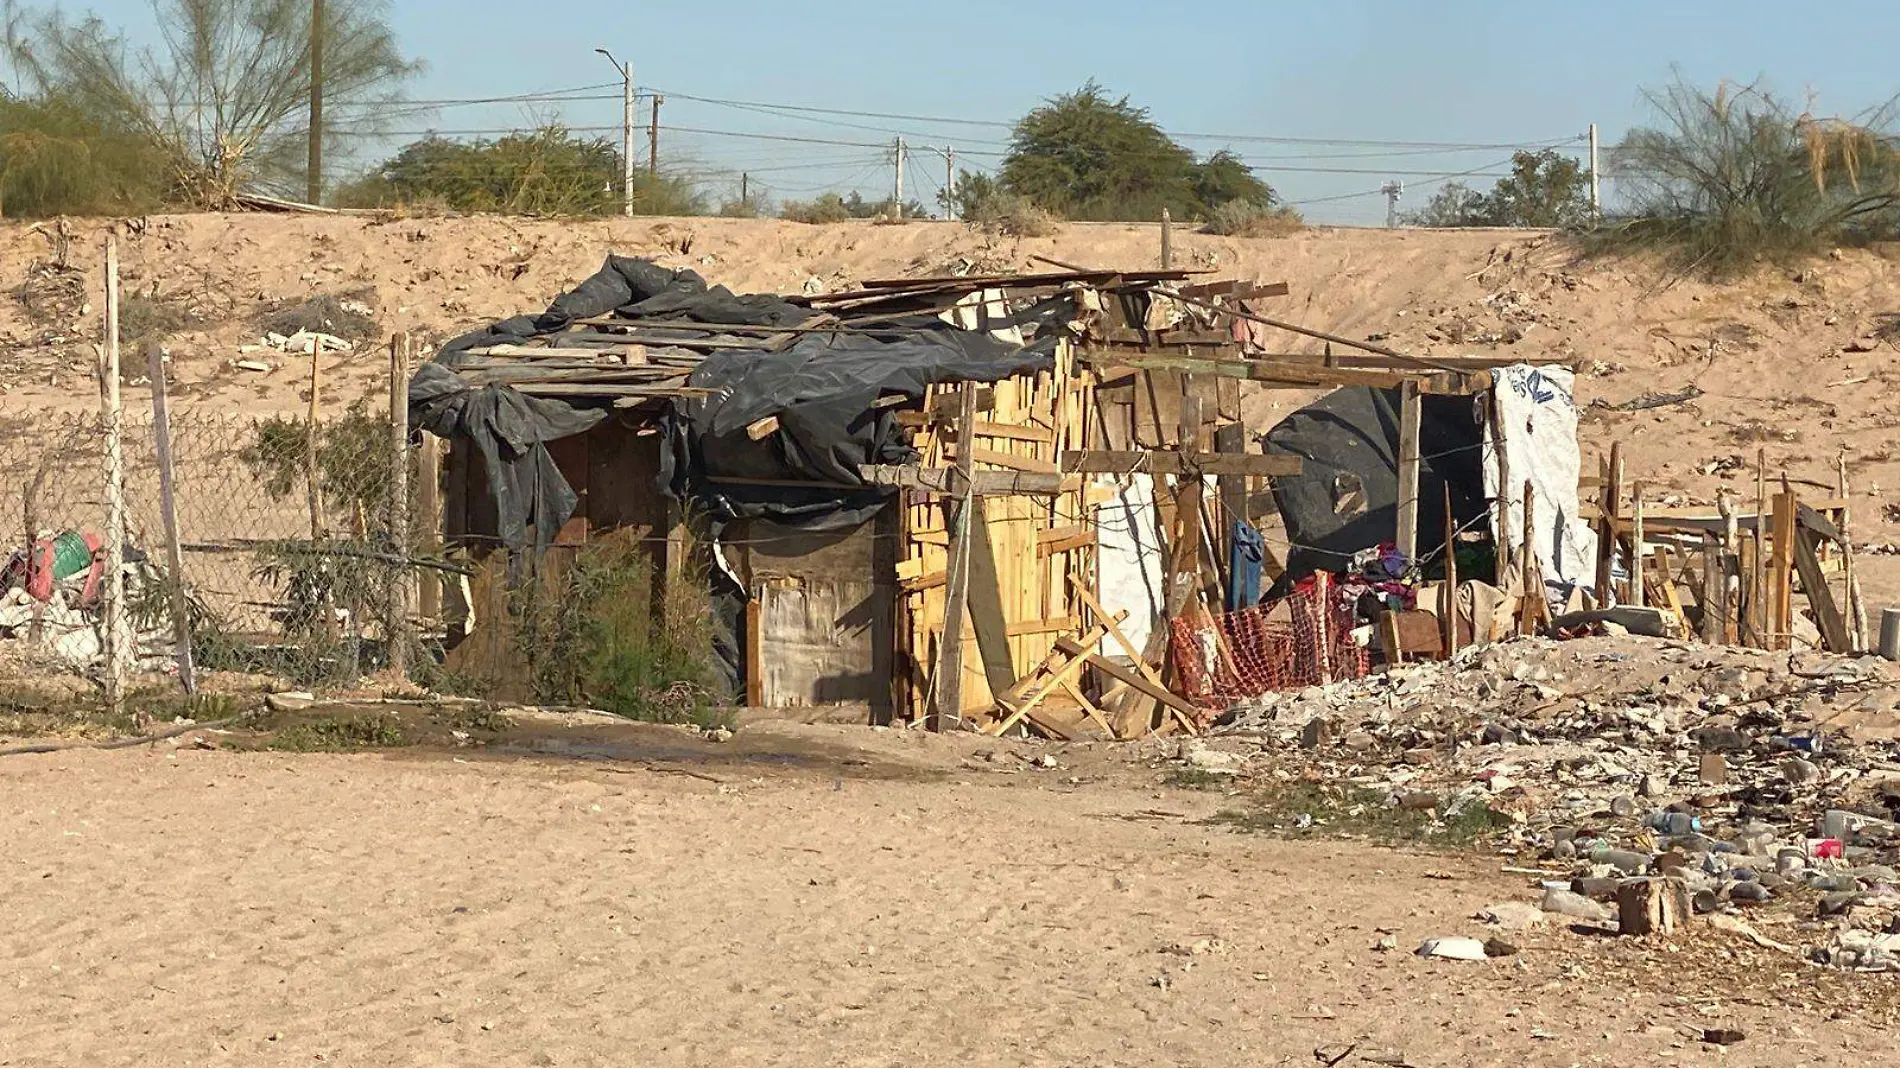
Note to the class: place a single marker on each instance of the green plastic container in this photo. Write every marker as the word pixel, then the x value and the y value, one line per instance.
pixel 71 555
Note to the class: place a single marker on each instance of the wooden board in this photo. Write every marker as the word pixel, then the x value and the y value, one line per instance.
pixel 1106 461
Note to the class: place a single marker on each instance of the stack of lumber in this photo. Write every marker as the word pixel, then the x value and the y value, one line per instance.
pixel 1728 573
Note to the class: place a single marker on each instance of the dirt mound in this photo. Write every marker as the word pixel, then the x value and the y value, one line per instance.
pixel 1793 362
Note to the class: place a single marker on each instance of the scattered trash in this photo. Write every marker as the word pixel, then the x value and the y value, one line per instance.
pixel 1453 948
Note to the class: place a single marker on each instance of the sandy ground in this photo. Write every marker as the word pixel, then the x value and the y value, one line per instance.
pixel 875 898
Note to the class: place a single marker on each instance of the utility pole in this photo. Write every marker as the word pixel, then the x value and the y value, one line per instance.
pixel 949 155
pixel 1392 191
pixel 626 131
pixel 898 197
pixel 653 139
pixel 1596 193
pixel 313 179
pixel 745 188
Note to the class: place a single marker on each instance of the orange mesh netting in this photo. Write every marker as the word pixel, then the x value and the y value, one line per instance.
pixel 1225 658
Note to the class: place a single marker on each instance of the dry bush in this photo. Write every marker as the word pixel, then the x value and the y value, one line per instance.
pixel 1729 179
pixel 1013 215
pixel 1246 218
pixel 337 314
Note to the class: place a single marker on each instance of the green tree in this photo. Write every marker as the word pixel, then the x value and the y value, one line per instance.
pixel 1544 189
pixel 546 171
pixel 1087 155
pixel 1454 204
pixel 224 94
pixel 1223 178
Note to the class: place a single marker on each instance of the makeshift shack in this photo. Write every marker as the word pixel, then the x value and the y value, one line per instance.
pixel 1049 465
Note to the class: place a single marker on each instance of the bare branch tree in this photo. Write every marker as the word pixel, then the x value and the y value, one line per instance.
pixel 225 89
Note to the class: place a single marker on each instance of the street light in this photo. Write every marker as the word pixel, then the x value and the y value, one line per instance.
pixel 625 71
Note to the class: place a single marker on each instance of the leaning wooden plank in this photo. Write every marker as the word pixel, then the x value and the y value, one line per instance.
pixel 1129 676
pixel 985 602
pixel 1115 632
pixel 1101 718
pixel 1058 665
pixel 1121 462
pixel 1827 615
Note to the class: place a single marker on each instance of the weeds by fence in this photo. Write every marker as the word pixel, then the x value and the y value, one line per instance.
pixel 276 578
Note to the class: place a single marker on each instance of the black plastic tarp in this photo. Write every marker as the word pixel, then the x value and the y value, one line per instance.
pixel 1346 497
pixel 823 389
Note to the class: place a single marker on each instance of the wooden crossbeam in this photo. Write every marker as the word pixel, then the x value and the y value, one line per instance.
pixel 945 480
pixel 1121 462
pixel 1291 372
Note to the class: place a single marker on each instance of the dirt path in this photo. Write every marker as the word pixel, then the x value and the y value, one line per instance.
pixel 183 907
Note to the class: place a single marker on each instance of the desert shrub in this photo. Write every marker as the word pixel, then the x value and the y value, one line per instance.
pixel 1012 215
pixel 1728 179
pixel 1248 218
pixel 352 460
pixel 836 208
pixel 150 318
pixel 545 171
pixel 55 159
pixel 595 636
pixel 827 208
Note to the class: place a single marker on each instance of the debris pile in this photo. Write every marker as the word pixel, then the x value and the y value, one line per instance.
pixel 1626 773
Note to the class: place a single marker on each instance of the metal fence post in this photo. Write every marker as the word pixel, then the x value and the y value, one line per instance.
pixel 397 626
pixel 168 508
pixel 115 643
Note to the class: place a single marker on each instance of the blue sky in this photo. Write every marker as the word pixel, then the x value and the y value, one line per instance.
pixel 1452 71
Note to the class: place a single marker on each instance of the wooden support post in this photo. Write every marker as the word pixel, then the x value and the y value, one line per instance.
pixel 1408 471
pixel 168 514
pixel 1759 601
pixel 1229 440
pixel 429 506
pixel 1731 571
pixel 312 471
pixel 1639 550
pixel 1167 240
pixel 1850 582
pixel 1712 585
pixel 1533 605
pixel 1781 570
pixel 1448 596
pixel 946 707
pixel 754 658
pixel 117 639
pixel 1323 625
pixel 396 626
pixel 1610 500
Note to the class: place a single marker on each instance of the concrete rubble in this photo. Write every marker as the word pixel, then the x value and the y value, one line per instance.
pixel 1768 784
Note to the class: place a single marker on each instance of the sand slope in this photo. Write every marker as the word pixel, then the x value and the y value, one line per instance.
pixel 1768 352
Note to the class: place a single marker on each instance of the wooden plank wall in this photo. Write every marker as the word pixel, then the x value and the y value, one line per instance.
pixel 1032 419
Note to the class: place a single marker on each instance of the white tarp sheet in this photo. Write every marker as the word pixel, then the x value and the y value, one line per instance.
pixel 1532 437
pixel 1128 561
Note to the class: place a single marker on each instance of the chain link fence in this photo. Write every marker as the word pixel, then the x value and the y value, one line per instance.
pixel 286 563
